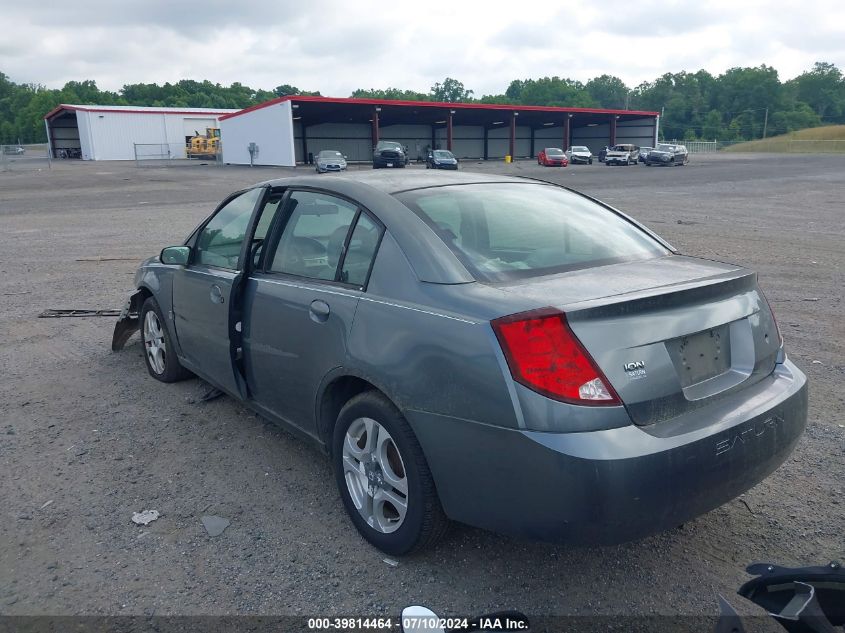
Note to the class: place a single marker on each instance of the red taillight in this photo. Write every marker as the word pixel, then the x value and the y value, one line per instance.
pixel 544 355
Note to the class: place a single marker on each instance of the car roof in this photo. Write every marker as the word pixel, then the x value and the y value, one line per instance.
pixel 391 181
pixel 428 255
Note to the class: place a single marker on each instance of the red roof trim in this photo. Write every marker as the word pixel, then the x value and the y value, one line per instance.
pixel 61 107
pixel 435 104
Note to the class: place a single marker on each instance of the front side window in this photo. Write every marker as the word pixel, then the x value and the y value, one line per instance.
pixel 219 243
pixel 312 241
pixel 503 231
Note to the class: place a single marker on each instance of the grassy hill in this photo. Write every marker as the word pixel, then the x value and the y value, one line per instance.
pixel 828 138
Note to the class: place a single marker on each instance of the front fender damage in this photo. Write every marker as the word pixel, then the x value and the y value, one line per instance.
pixel 128 322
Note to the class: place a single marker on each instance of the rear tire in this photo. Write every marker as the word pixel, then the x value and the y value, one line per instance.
pixel 159 355
pixel 374 448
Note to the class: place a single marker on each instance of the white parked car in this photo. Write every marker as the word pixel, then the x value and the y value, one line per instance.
pixel 580 154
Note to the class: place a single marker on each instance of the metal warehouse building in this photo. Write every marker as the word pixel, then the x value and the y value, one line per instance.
pixel 286 130
pixel 112 132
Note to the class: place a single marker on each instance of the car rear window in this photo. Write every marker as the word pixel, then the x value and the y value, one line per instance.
pixel 502 231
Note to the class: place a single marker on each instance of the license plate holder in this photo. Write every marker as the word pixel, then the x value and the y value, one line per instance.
pixel 390 164
pixel 701 356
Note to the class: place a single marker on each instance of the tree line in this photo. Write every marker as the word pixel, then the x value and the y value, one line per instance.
pixel 740 104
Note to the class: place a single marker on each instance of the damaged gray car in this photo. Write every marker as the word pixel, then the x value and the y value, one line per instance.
pixel 498 351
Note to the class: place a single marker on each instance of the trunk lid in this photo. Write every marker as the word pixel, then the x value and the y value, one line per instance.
pixel 671 334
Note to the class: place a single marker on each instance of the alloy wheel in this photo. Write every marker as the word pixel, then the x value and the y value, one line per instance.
pixel 154 342
pixel 375 475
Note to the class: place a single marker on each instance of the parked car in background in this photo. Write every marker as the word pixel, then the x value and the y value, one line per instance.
pixel 644 152
pixel 499 351
pixel 622 154
pixel 552 157
pixel 667 154
pixel 603 153
pixel 441 159
pixel 389 154
pixel 580 154
pixel 330 160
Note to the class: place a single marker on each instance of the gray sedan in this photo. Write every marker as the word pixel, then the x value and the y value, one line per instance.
pixel 497 351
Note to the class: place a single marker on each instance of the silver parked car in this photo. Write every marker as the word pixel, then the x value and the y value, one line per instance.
pixel 497 351
pixel 330 160
pixel 580 154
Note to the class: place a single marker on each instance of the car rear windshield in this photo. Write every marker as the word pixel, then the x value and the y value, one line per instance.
pixel 503 231
pixel 554 151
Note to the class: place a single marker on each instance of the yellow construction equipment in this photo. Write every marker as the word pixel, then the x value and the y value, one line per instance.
pixel 204 145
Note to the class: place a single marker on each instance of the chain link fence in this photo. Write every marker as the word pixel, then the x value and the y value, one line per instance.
pixel 173 154
pixel 773 145
pixel 21 157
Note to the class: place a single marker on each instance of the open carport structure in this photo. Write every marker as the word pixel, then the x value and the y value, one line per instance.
pixel 285 131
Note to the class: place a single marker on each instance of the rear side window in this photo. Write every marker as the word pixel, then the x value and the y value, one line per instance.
pixel 360 252
pixel 502 231
pixel 312 241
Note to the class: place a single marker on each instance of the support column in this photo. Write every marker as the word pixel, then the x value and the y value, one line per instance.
pixel 566 132
pixel 512 139
pixel 304 143
pixel 613 130
pixel 375 126
pixel 486 153
pixel 449 130
pixel 532 142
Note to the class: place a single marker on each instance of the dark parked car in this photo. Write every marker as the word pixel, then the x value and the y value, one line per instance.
pixel 667 154
pixel 389 154
pixel 441 159
pixel 500 351
pixel 644 152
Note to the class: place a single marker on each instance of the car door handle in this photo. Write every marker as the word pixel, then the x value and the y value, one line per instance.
pixel 319 311
pixel 216 294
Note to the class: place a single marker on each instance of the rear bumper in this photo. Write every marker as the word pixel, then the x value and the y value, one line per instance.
pixel 614 485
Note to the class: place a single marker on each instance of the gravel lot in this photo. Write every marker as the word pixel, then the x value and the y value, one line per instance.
pixel 87 437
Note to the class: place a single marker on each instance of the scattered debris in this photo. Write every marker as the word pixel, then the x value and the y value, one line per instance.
pixel 817 362
pixel 745 503
pixel 810 299
pixel 391 562
pixel 214 525
pixel 687 222
pixel 55 314
pixel 46 504
pixel 144 518
pixel 211 394
pixel 11 294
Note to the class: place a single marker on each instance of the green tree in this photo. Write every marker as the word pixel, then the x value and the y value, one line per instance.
pixel 450 91
pixel 823 89
pixel 608 92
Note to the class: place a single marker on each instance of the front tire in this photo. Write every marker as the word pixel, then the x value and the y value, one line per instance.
pixel 384 478
pixel 159 355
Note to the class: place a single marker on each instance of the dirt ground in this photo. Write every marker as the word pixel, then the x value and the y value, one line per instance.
pixel 87 437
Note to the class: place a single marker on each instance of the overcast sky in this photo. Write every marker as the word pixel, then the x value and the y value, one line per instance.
pixel 336 47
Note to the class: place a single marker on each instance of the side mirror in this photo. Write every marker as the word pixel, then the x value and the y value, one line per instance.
pixel 175 255
pixel 417 619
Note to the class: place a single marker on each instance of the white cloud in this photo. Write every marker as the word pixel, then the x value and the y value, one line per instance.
pixel 336 47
